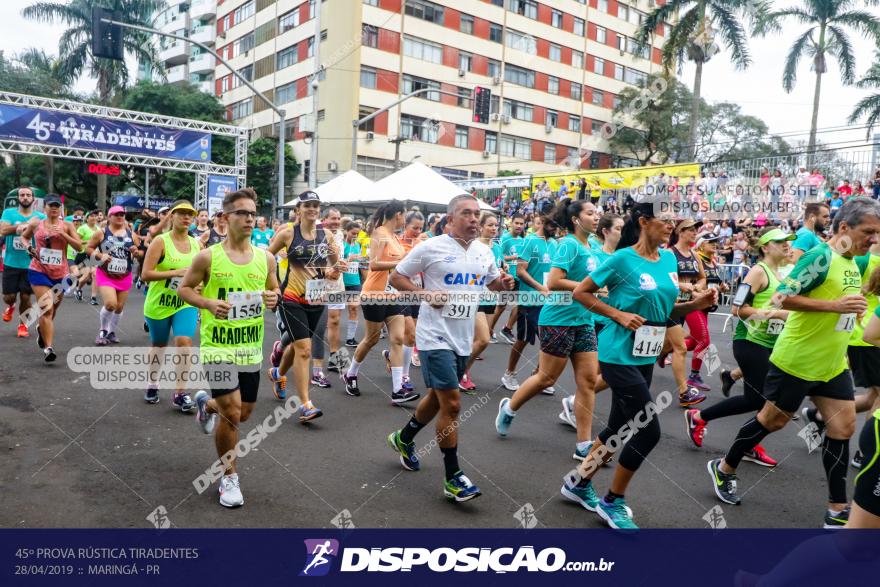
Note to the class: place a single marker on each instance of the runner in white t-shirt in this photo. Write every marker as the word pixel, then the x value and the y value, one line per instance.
pixel 453 263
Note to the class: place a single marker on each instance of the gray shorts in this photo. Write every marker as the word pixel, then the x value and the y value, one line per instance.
pixel 442 368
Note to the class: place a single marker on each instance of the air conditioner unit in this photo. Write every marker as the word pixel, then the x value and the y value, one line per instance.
pixel 370 136
pixel 496 80
pixel 460 73
pixel 505 119
pixel 548 128
pixel 332 166
pixel 307 123
pixel 486 154
pixel 496 117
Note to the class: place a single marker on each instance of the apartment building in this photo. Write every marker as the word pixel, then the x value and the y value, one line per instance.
pixel 555 69
pixel 185 62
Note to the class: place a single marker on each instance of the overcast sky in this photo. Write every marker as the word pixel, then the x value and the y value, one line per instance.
pixel 758 89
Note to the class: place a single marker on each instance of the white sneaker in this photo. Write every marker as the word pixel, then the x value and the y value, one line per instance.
pixel 548 390
pixel 230 492
pixel 206 421
pixel 567 413
pixel 509 381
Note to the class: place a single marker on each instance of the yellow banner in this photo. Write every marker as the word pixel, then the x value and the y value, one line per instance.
pixel 616 179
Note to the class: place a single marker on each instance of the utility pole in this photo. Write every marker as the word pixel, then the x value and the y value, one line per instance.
pixel 316 78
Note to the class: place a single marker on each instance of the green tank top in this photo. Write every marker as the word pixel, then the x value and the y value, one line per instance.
pixel 762 332
pixel 813 345
pixel 870 263
pixel 162 299
pixel 238 339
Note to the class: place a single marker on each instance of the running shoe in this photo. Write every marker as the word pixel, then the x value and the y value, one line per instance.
pixel 580 455
pixel 584 495
pixel 307 414
pixel 93 301
pixel 78 294
pixel 402 396
pixel 695 380
pixel 152 395
pixel 386 354
pixel 406 384
pixel 333 362
pixel 759 456
pixel 415 361
pixel 466 385
pixel 493 339
pixel 460 488
pixel 230 491
pixel 857 460
pixel 22 331
pixel 691 397
pixel 146 327
pixel 407 451
pixel 723 483
pixel 351 343
pixel 279 384
pixel 40 342
pixel 548 390
pixel 727 382
pixel 101 339
pixel 696 428
pixel 509 381
pixel 139 284
pixel 811 415
pixel 7 313
pixel 275 356
pixel 319 379
pixel 49 354
pixel 206 421
pixel 183 402
pixel 617 514
pixel 351 385
pixel 383 332
pixel 111 337
pixel 567 413
pixel 836 520
pixel 503 420
pixel 506 334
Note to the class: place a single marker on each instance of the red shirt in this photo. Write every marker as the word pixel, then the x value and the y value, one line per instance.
pixel 845 190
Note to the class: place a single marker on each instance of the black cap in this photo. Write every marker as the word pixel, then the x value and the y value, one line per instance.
pixel 307 196
pixel 51 199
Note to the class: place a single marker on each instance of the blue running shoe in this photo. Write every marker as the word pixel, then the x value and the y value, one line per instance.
pixel 307 414
pixel 183 402
pixel 579 454
pixel 407 451
pixel 152 396
pixel 503 420
pixel 584 495
pixel 460 488
pixel 206 421
pixel 406 385
pixel 617 514
pixel 279 384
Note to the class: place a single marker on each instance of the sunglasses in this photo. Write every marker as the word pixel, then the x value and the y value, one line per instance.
pixel 54 204
pixel 118 214
pixel 243 213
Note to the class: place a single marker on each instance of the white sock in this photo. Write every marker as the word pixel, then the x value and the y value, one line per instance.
pixel 507 410
pixel 407 359
pixel 352 327
pixel 396 378
pixel 105 315
pixel 353 368
pixel 114 321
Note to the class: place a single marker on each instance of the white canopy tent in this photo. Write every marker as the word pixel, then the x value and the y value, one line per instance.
pixel 351 186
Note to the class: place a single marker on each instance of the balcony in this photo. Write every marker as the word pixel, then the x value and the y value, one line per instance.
pixel 203 9
pixel 177 74
pixel 207 87
pixel 203 34
pixel 175 53
pixel 203 63
pixel 177 22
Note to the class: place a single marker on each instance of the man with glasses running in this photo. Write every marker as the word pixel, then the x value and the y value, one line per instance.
pixel 16 260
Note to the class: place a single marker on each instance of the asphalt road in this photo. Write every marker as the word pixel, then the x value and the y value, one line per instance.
pixel 75 456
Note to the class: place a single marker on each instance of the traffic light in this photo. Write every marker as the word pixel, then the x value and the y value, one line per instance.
pixel 482 102
pixel 106 38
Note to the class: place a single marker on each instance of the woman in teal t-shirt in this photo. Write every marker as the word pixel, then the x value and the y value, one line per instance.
pixel 353 255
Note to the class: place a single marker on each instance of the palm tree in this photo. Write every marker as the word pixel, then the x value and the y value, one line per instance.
pixel 826 37
pixel 869 106
pixel 693 36
pixel 75 46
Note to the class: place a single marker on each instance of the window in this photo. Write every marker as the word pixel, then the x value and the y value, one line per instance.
pixel 491 142
pixel 521 42
pixel 519 110
pixel 495 32
pixel 579 27
pixel 287 57
pixel 527 8
pixel 420 49
pixel 242 109
pixel 594 161
pixel 424 10
pixel 598 97
pixel 577 59
pixel 368 126
pixel 601 35
pixel 576 91
pixel 514 147
pixel 493 68
pixel 556 19
pixel 494 105
pixel 466 24
pixel 307 165
pixel 553 85
pixel 413 84
pixel 225 83
pixel 419 129
pixel 498 3
pixel 635 77
pixel 596 127
pixel 574 123
pixel 371 2
pixel 555 52
pixel 370 36
pixel 247 72
pixel 368 77
pixel 288 21
pixel 635 17
pixel 310 51
pixel 603 5
pixel 519 76
pixel 618 72
pixel 244 11
pixel 461 137
pixel 244 44
pixel 616 102
pixel 550 154
pixel 464 61
pixel 552 119
pixel 621 42
pixel 599 66
pixel 464 97
pixel 286 93
pixel 321 114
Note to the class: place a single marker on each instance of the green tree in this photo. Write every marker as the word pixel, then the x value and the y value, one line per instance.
pixel 829 23
pixel 507 172
pixel 693 35
pixel 869 106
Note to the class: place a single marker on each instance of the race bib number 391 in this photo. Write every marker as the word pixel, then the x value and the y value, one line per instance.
pixel 458 311
pixel 245 304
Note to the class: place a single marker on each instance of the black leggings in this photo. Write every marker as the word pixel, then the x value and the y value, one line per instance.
pixel 867 493
pixel 754 360
pixel 630 394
